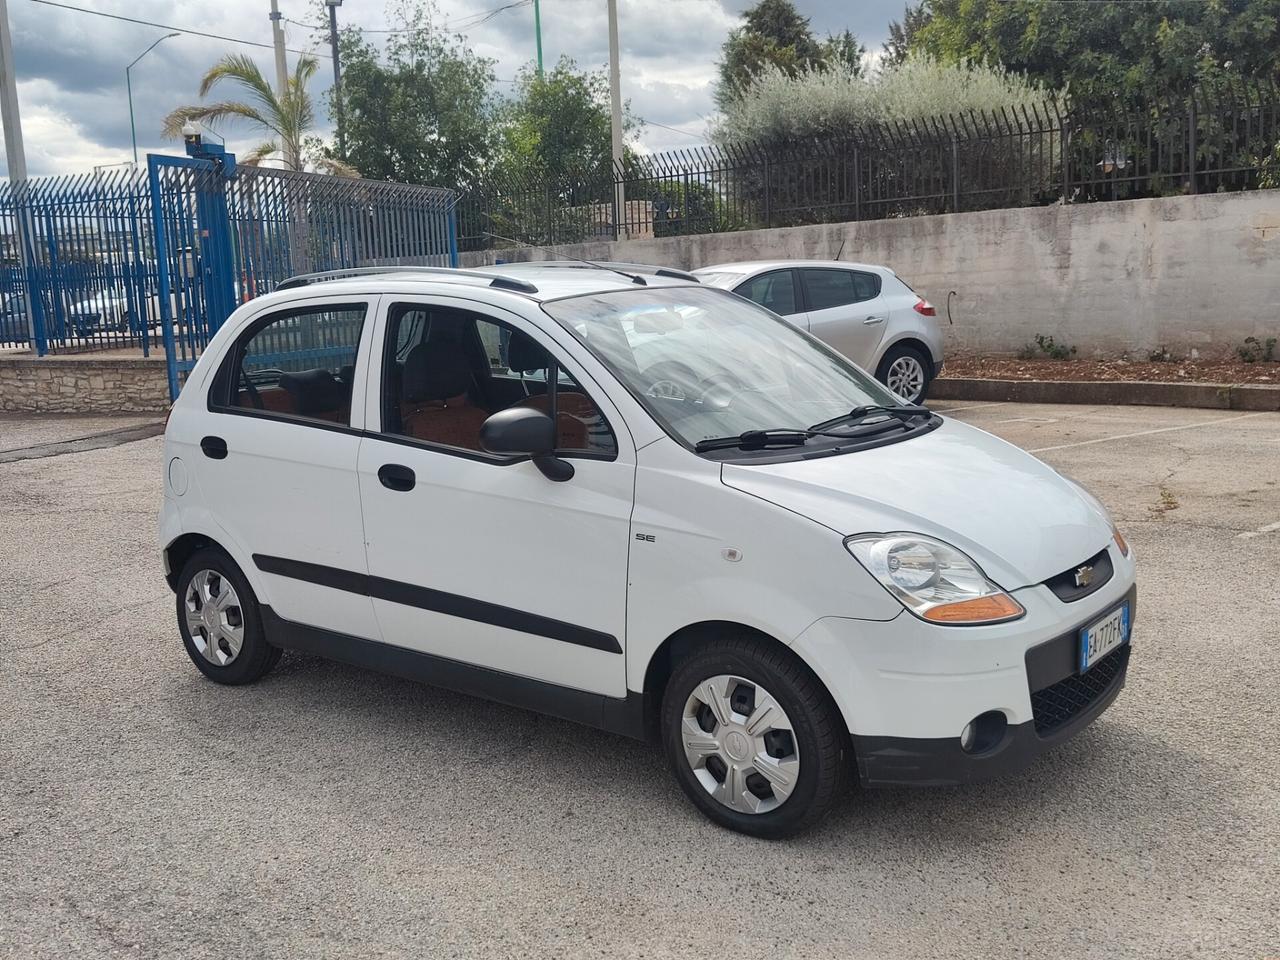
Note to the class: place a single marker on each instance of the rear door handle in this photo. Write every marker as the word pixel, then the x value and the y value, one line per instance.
pixel 873 320
pixel 215 448
pixel 395 476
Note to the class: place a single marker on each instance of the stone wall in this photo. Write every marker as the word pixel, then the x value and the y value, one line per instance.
pixel 83 385
pixel 1193 273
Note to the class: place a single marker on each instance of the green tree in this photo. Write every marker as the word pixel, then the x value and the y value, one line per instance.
pixel 902 34
pixel 558 123
pixel 421 110
pixel 284 120
pixel 775 34
pixel 843 52
pixel 1104 50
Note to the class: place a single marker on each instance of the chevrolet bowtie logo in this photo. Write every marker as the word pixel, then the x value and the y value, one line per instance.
pixel 1084 576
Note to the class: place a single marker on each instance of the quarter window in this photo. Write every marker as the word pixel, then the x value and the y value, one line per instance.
pixel 774 291
pixel 298 363
pixel 835 288
pixel 446 371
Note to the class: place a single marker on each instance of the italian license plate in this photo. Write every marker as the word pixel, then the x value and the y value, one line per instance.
pixel 1101 637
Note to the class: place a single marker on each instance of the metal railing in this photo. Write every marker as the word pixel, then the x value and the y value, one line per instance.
pixel 1215 140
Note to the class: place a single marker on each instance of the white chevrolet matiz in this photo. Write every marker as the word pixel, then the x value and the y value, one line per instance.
pixel 623 498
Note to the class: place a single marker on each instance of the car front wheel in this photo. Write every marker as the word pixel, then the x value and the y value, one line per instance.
pixel 219 620
pixel 753 738
pixel 905 371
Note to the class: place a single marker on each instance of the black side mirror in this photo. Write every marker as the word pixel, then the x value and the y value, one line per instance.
pixel 525 432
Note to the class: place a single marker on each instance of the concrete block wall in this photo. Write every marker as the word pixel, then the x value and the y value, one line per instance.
pixel 80 385
pixel 1192 274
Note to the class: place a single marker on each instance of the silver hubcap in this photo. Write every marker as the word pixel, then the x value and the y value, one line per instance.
pixel 906 377
pixel 740 744
pixel 214 617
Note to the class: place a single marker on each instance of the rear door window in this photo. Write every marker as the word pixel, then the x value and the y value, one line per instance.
pixel 774 291
pixel 827 288
pixel 297 363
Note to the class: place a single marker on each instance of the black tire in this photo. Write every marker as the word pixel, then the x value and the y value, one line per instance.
pixel 256 657
pixel 900 352
pixel 820 738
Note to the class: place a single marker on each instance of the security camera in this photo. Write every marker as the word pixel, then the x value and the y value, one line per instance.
pixel 190 130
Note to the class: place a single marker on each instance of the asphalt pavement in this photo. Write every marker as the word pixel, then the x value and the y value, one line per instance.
pixel 332 812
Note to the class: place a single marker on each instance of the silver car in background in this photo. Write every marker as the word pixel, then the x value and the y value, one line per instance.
pixel 862 310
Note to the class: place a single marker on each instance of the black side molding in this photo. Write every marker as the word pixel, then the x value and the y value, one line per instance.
pixel 623 716
pixel 438 601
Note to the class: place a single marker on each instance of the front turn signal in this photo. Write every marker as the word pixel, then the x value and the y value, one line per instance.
pixel 1121 542
pixel 995 608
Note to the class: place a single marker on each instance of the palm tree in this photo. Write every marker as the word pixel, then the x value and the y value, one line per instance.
pixel 285 118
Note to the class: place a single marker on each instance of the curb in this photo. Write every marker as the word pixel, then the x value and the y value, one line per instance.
pixel 1214 396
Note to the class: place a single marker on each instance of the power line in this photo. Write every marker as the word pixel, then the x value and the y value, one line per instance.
pixel 474 20
pixel 168 26
pixel 655 123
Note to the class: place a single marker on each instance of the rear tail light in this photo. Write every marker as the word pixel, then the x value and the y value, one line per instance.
pixel 924 308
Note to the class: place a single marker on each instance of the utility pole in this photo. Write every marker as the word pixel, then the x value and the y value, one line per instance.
pixel 537 31
pixel 333 6
pixel 16 156
pixel 277 40
pixel 615 103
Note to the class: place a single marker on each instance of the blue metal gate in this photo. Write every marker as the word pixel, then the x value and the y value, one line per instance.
pixel 226 233
pixel 86 279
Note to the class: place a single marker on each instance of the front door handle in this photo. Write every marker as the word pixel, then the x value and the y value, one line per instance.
pixel 395 476
pixel 873 320
pixel 215 448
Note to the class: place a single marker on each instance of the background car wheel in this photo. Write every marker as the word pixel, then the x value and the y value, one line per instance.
pixel 905 371
pixel 220 622
pixel 753 737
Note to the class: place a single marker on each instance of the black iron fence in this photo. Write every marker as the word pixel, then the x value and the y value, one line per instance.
pixel 1219 139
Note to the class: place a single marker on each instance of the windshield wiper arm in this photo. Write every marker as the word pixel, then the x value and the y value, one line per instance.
pixel 759 439
pixel 859 415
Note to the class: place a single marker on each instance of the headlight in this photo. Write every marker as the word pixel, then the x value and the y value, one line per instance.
pixel 934 581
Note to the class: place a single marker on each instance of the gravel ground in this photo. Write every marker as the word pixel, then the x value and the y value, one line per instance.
pixel 332 812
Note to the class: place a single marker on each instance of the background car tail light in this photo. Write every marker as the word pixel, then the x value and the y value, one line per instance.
pixel 924 308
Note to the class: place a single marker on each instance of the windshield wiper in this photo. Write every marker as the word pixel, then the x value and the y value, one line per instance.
pixel 857 415
pixel 759 439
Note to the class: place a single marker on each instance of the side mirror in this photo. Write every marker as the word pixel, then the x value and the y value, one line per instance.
pixel 525 432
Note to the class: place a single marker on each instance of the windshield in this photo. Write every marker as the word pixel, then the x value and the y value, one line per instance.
pixel 707 364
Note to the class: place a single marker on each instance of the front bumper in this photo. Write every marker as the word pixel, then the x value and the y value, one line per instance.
pixel 909 761
pixel 907 689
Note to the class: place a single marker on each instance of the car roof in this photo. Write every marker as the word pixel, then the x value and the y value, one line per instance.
pixel 547 282
pixel 745 267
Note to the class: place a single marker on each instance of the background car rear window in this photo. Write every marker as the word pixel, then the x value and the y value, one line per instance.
pixel 835 288
pixel 299 363
pixel 774 291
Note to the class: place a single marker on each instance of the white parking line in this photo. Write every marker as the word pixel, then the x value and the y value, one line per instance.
pixel 1269 528
pixel 1029 420
pixel 974 406
pixel 1146 433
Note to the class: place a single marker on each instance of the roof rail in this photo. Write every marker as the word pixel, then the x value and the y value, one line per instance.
pixel 641 268
pixel 321 276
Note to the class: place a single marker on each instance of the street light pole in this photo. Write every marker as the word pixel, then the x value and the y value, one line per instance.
pixel 615 103
pixel 17 160
pixel 128 83
pixel 333 6
pixel 537 31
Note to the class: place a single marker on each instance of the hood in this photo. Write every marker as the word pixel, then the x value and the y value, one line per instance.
pixel 1019 519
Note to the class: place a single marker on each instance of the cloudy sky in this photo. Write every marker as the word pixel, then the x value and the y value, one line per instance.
pixel 71 65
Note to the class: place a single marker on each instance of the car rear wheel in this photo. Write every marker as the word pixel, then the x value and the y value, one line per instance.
pixel 753 738
pixel 219 620
pixel 905 371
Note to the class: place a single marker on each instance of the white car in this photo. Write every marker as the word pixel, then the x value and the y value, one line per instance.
pixel 467 478
pixel 865 311
pixel 102 311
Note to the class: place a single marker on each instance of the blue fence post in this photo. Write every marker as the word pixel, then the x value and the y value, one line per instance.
pixel 453 236
pixel 162 272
